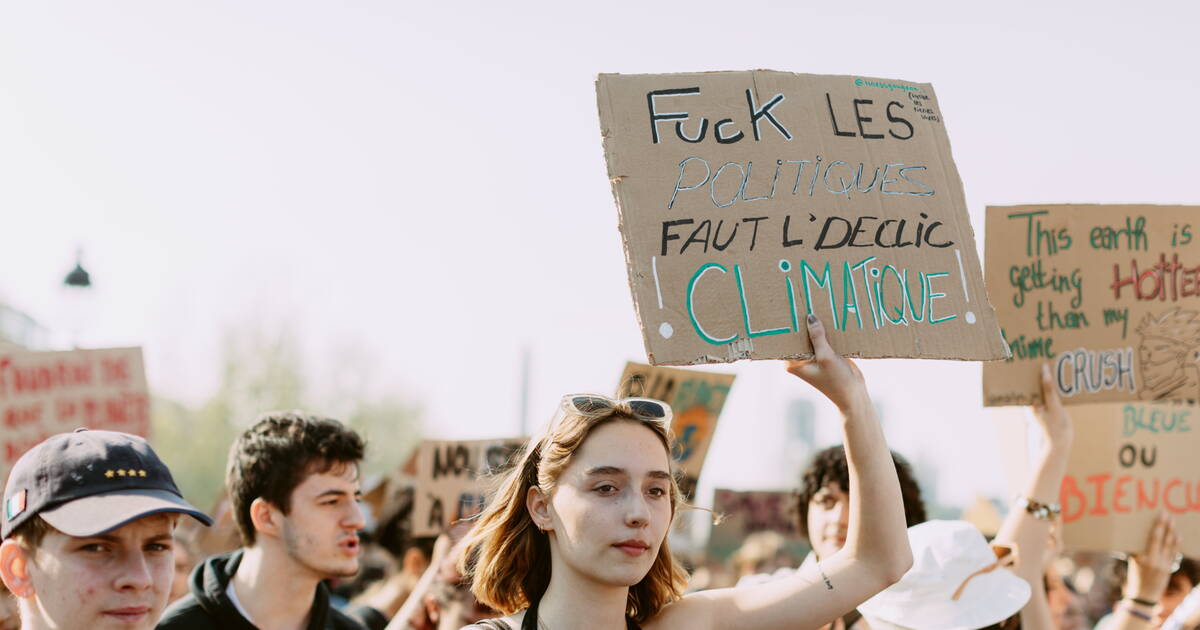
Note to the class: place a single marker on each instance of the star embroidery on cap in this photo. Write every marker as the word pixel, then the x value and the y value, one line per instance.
pixel 121 472
pixel 141 473
pixel 108 473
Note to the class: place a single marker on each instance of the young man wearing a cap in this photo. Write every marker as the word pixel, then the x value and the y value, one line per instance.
pixel 294 488
pixel 88 520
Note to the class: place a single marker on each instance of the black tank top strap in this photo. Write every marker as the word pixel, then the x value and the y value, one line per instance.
pixel 530 622
pixel 490 624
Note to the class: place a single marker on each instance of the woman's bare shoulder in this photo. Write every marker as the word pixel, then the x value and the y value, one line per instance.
pixel 690 612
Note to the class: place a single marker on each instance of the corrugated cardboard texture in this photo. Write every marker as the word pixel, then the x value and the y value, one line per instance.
pixel 1129 462
pixel 696 398
pixel 1109 295
pixel 749 199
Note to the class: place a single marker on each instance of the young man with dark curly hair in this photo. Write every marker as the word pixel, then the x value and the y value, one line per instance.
pixel 294 487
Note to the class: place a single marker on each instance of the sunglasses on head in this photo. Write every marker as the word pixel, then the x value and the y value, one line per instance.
pixel 595 404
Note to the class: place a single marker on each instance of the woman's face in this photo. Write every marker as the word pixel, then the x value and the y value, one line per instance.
pixel 1177 589
pixel 611 508
pixel 828 519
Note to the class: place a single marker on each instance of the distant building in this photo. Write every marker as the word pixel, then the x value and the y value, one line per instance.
pixel 21 330
pixel 799 440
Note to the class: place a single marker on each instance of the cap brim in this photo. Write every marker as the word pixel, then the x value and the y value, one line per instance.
pixel 101 513
pixel 988 599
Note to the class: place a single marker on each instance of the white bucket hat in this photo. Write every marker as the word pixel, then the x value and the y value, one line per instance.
pixel 957 582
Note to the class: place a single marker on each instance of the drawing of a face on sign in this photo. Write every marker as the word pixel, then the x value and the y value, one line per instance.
pixel 1169 355
pixel 692 427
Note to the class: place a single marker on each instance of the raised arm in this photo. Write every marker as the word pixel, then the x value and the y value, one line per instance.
pixel 1147 579
pixel 876 548
pixel 416 598
pixel 876 553
pixel 1026 527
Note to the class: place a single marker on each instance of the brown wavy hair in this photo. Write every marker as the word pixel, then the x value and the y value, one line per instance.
pixel 508 558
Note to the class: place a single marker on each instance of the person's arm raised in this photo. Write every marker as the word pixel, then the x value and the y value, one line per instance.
pixel 1029 534
pixel 876 553
pixel 1148 577
pixel 415 601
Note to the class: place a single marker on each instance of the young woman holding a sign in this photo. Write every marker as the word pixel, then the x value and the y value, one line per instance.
pixel 577 535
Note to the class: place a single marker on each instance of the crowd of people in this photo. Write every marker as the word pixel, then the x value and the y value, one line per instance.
pixel 575 535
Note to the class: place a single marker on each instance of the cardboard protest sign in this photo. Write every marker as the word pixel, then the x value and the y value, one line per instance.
pixel 1109 295
pixel 449 484
pixel 747 512
pixel 748 200
pixel 1128 463
pixel 696 399
pixel 45 393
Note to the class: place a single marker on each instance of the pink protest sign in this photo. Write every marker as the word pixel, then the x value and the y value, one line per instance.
pixel 44 393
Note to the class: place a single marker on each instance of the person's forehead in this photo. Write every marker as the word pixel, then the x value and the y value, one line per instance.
pixel 626 445
pixel 1182 581
pixel 831 488
pixel 150 526
pixel 341 476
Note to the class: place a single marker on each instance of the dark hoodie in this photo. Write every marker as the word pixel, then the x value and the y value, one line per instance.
pixel 209 607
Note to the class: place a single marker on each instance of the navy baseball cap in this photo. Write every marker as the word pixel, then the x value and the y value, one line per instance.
pixel 87 483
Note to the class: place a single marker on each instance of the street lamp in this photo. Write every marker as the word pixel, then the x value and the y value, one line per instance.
pixel 79 276
pixel 77 299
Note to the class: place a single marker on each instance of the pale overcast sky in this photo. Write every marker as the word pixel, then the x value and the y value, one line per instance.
pixel 426 180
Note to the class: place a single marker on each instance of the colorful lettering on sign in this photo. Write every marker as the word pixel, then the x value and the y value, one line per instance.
pixel 1102 494
pixel 1089 371
pixel 870 296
